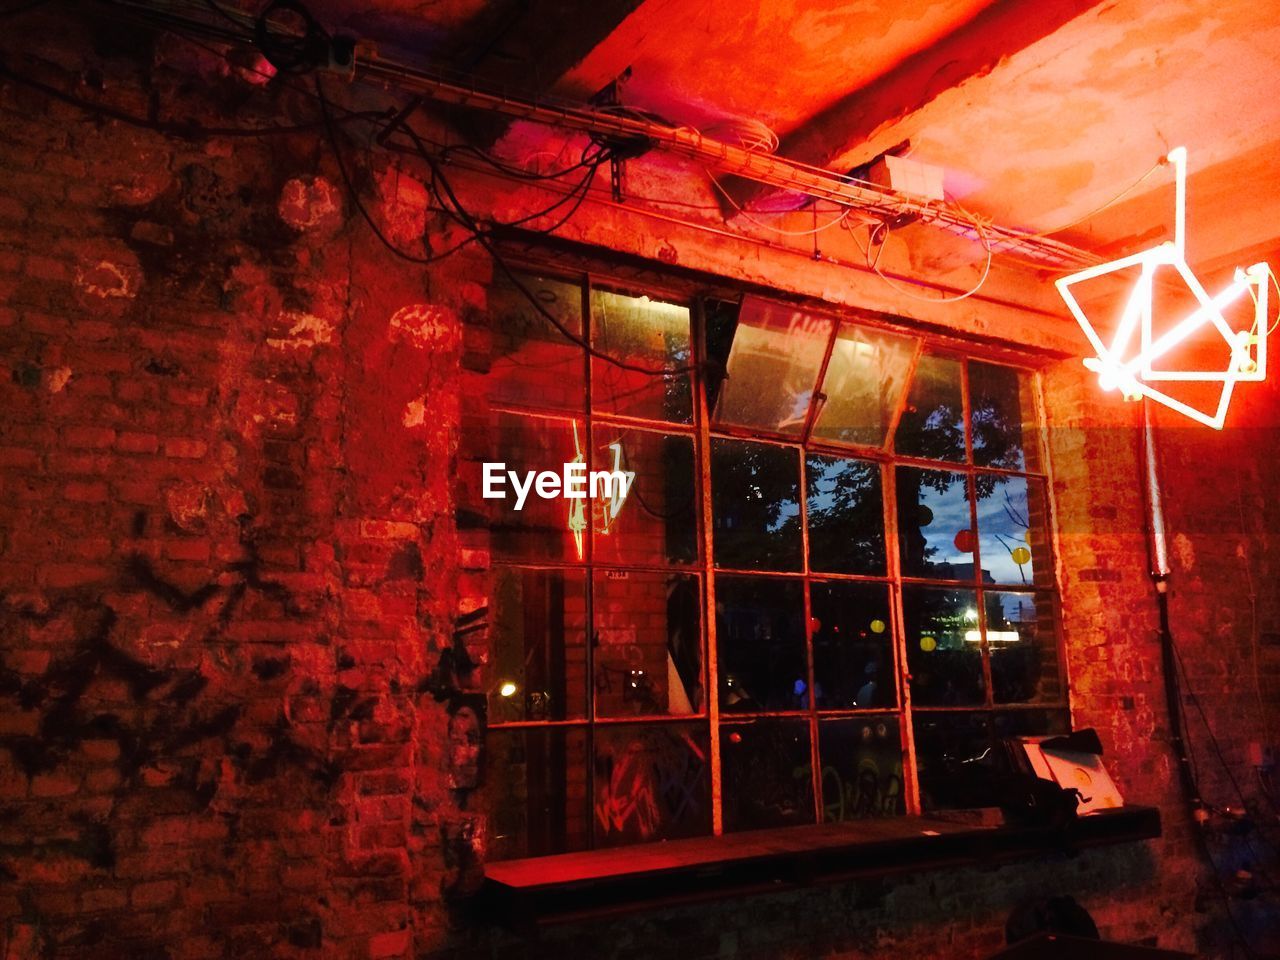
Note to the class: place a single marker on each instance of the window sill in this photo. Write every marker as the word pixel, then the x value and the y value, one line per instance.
pixel 544 891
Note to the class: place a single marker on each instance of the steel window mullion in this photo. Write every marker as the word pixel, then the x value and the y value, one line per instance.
pixel 702 452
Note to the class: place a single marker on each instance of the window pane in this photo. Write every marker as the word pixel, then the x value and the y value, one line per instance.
pixel 932 425
pixel 755 505
pixel 1002 416
pixel 962 758
pixel 1013 530
pixel 772 367
pixel 657 522
pixel 766 774
pixel 542 529
pixel 760 644
pixel 538 641
pixel 649 334
pixel 861 769
pixel 539 797
pixel 532 361
pixel 944 655
pixel 648 643
pixel 846 515
pixel 935 534
pixel 652 782
pixel 955 759
pixel 852 646
pixel 1023 646
pixel 863 386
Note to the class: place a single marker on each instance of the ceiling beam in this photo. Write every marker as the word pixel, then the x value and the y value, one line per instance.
pixel 535 47
pixel 837 138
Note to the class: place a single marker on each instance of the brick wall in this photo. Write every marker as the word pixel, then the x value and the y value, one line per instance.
pixel 238 644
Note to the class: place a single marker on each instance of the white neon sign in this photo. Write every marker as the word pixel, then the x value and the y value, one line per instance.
pixel 1133 368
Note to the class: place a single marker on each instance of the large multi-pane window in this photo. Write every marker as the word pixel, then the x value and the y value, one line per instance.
pixel 826 595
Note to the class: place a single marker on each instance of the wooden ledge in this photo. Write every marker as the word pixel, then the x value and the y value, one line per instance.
pixel 542 891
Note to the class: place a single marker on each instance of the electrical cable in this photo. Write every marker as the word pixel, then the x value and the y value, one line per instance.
pixel 181 130
pixel 787 233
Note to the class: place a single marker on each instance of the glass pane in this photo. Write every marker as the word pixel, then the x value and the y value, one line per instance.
pixel 648 334
pixel 538 803
pixel 541 529
pixel 861 769
pixel 863 386
pixel 657 521
pixel 760 644
pixel 538 637
pixel 1002 417
pixel 852 646
pixel 1013 530
pixel 652 782
pixel 1023 647
pixel 935 532
pixel 648 643
pixel 955 759
pixel 766 774
pixel 944 653
pixel 755 505
pixel 532 361
pixel 932 425
pixel 771 368
pixel 962 758
pixel 846 515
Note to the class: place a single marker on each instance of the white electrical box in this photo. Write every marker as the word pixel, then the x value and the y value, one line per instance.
pixel 908 176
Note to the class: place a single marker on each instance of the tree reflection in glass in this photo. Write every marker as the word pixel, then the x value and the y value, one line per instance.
pixel 755 497
pixel 935 534
pixel 846 515
pixel 932 425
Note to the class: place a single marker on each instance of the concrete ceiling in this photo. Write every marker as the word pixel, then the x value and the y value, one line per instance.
pixel 1039 112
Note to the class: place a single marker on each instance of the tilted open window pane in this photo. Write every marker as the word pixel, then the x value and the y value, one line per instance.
pixel 861 769
pixel 845 514
pixel 543 529
pixel 755 496
pixel 935 530
pixel 648 644
pixel 539 665
pixel 647 334
pixel 772 368
pixel 1023 646
pixel 656 522
pixel 1002 417
pixel 652 782
pixel 533 362
pixel 863 385
pixel 944 649
pixel 766 774
pixel 932 425
pixel 1013 530
pixel 852 645
pixel 760 641
pixel 539 805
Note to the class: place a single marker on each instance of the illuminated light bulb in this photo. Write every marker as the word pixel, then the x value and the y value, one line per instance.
pixel 971 614
pixel 1131 369
pixel 877 626
pixel 507 689
pixel 928 644
pixel 1020 555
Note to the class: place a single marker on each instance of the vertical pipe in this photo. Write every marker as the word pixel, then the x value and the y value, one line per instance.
pixel 1159 559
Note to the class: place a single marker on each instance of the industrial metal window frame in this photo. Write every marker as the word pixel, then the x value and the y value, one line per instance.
pixel 693 293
